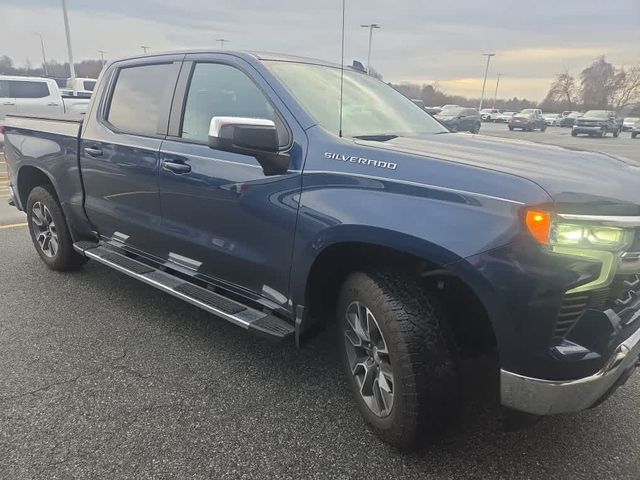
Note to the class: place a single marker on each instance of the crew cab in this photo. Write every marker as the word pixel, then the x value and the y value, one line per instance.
pixel 597 122
pixel 256 188
pixel 36 96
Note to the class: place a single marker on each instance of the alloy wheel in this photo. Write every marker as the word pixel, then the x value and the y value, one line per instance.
pixel 369 360
pixel 44 229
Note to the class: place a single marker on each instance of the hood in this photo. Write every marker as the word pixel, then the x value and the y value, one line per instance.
pixel 592 180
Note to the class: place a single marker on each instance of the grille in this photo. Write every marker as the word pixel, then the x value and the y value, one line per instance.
pixel 624 291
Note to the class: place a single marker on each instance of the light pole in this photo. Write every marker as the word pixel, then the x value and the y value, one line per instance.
pixel 495 94
pixel 484 83
pixel 222 40
pixel 72 68
pixel 144 48
pixel 370 27
pixel 44 57
pixel 102 52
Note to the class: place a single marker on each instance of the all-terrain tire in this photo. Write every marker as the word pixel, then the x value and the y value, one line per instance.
pixel 421 352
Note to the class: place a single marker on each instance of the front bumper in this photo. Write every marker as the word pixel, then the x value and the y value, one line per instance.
pixel 546 397
pixel 588 128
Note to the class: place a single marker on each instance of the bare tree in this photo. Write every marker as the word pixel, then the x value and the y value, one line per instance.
pixel 562 94
pixel 598 83
pixel 627 87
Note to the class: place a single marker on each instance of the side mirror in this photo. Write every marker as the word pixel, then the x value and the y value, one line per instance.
pixel 257 137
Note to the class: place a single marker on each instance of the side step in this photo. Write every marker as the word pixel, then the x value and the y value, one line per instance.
pixel 242 315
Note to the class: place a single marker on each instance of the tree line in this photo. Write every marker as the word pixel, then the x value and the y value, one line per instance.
pixel 85 68
pixel 600 86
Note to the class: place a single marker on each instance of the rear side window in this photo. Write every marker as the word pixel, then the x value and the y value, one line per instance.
pixel 138 97
pixel 28 89
pixel 221 90
pixel 89 85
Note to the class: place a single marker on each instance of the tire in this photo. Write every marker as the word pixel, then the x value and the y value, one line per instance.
pixel 543 128
pixel 476 128
pixel 574 133
pixel 411 327
pixel 616 133
pixel 49 231
pixel 634 135
pixel 511 129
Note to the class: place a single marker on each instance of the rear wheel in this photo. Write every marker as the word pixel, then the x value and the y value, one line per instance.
pixel 544 127
pixel 398 355
pixel 49 231
pixel 616 133
pixel 574 133
pixel 634 135
pixel 511 128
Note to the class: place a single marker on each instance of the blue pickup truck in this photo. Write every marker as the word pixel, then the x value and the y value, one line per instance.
pixel 256 188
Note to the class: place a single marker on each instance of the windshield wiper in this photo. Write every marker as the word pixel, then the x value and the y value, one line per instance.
pixel 382 137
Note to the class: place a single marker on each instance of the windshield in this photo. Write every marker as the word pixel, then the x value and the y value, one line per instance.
pixel 369 108
pixel 528 111
pixel 597 114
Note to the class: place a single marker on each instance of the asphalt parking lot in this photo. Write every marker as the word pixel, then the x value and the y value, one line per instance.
pixel 623 146
pixel 104 377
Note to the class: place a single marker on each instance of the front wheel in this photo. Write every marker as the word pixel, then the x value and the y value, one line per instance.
pixel 616 133
pixel 574 133
pixel 399 356
pixel 49 231
pixel 544 127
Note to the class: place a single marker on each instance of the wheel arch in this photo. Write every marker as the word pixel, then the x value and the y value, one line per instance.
pixel 29 177
pixel 374 247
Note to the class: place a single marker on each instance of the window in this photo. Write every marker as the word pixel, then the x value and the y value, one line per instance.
pixel 28 89
pixel 138 97
pixel 221 90
pixel 89 85
pixel 4 89
pixel 369 106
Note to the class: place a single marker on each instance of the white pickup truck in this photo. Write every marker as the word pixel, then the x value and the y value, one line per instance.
pixel 37 97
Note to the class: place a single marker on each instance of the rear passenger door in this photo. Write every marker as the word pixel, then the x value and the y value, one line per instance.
pixel 120 147
pixel 35 97
pixel 7 102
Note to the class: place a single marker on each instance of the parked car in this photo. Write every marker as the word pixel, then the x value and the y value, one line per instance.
pixel 635 130
pixel 444 107
pixel 628 123
pixel 569 120
pixel 527 120
pixel 460 119
pixel 432 110
pixel 552 119
pixel 222 179
pixel 489 114
pixel 597 122
pixel 535 111
pixel 504 117
pixel 35 96
pixel 84 87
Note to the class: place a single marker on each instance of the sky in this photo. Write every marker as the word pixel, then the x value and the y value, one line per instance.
pixel 421 41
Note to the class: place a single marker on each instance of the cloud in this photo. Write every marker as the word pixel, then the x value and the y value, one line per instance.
pixel 439 41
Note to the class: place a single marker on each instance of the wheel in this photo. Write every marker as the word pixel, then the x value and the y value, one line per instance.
pixel 399 356
pixel 544 127
pixel 476 128
pixel 634 134
pixel 603 132
pixel 574 133
pixel 616 133
pixel 511 128
pixel 49 231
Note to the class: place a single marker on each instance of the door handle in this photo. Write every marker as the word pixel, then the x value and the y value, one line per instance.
pixel 9 103
pixel 177 167
pixel 53 104
pixel 93 151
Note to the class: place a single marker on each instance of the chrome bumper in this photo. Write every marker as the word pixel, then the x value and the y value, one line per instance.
pixel 547 397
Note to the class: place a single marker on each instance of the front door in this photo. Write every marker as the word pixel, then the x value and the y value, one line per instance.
pixel 119 152
pixel 226 220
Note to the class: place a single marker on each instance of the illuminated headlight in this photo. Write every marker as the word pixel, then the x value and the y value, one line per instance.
pixel 609 238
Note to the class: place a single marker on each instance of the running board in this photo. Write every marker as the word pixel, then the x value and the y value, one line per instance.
pixel 237 313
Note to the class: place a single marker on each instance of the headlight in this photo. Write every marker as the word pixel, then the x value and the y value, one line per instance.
pixel 551 230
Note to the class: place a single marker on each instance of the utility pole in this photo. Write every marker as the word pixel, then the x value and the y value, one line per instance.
pixel 222 40
pixel 72 68
pixel 102 52
pixel 484 83
pixel 44 57
pixel 370 27
pixel 144 48
pixel 495 94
